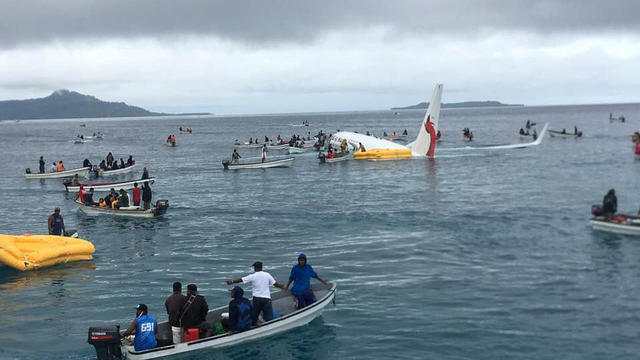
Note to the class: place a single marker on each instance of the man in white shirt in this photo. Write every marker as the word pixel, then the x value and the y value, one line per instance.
pixel 260 282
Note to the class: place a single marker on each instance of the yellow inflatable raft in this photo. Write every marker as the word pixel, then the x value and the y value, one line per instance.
pixel 30 252
pixel 383 154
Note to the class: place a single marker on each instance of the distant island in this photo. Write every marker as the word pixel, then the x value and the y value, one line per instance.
pixel 63 104
pixel 465 104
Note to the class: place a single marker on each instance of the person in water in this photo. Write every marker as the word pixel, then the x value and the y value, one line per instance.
pixel 174 304
pixel 235 157
pixel 240 312
pixel 610 204
pixel 301 274
pixel 145 327
pixel 56 223
pixel 194 312
pixel 260 282
pixel 41 165
pixel 146 195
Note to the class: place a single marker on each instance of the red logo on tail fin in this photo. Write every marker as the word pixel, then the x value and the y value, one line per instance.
pixel 428 126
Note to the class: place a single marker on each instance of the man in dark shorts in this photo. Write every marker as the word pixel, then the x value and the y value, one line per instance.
pixel 301 274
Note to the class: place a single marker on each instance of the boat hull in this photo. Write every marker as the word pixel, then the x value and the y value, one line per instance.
pixel 61 174
pixel 260 165
pixel 134 212
pixel 284 323
pixel 559 134
pixel 106 173
pixel 105 187
pixel 616 228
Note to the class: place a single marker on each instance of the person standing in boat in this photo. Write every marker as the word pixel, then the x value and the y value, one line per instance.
pixel 146 195
pixel 56 223
pixel 264 153
pixel 145 173
pixel 130 160
pixel 145 327
pixel 136 194
pixel 301 274
pixel 80 197
pixel 88 198
pixel 174 304
pixel 86 163
pixel 610 204
pixel 240 312
pixel 109 159
pixel 235 157
pixel 194 312
pixel 260 282
pixel 41 165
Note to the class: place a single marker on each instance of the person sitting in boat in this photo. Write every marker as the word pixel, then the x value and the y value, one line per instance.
pixel 56 223
pixel 54 167
pixel 80 196
pixel 114 201
pixel 88 197
pixel 564 131
pixel 250 141
pixel 361 147
pixel 110 196
pixel 330 153
pixel 102 203
pixel 86 163
pixel 438 135
pixel 575 130
pixel 301 274
pixel 240 312
pixel 368 133
pixel 521 131
pixel 405 133
pixel 75 181
pixel 384 133
pixel 610 204
pixel 528 125
pixel 103 165
pixel 194 312
pixel 535 135
pixel 123 199
pixel 114 166
pixel 145 327
pixel 130 160
pixel 235 157
pixel 60 166
pixel 122 165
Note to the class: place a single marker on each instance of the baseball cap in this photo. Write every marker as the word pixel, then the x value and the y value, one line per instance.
pixel 257 264
pixel 142 307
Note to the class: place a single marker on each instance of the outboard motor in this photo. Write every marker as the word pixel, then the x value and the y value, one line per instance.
pixel 106 339
pixel 596 210
pixel 162 206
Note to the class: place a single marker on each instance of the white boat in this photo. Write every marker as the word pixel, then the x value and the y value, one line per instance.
pixel 297 150
pixel 326 160
pixel 105 338
pixel 247 146
pixel 81 141
pixel 102 187
pixel 159 209
pixel 278 146
pixel 127 169
pixel 171 143
pixel 269 163
pixel 621 224
pixel 560 134
pixel 620 118
pixel 59 174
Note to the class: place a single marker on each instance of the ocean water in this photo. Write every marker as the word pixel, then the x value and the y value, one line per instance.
pixel 471 255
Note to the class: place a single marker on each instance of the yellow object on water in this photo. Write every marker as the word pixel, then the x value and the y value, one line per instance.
pixel 31 252
pixel 383 154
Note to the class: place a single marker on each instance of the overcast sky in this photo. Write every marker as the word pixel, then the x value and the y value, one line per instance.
pixel 295 56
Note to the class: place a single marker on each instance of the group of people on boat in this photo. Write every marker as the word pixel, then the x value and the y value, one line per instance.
pixel 110 163
pixel 185 130
pixel 393 133
pixel 171 139
pixel 524 132
pixel 187 314
pixel 55 167
pixel 118 199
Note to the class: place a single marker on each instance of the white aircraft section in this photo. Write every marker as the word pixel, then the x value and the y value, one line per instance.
pixel 369 142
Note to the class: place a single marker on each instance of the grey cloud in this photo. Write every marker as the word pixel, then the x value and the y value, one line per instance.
pixel 256 21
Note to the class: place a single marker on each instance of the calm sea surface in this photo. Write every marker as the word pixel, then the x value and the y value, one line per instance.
pixel 472 255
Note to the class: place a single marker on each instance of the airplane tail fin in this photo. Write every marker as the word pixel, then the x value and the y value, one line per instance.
pixel 425 143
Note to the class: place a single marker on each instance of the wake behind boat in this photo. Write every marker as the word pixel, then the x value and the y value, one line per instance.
pixel 106 186
pixel 159 209
pixel 58 174
pixel 257 163
pixel 106 338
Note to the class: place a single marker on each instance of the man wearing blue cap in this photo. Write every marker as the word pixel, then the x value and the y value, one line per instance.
pixel 301 274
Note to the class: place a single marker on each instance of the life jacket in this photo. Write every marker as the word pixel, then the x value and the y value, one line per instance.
pixel 102 203
pixel 60 167
pixel 113 204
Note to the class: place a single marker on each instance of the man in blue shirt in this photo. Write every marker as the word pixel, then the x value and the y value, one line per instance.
pixel 145 328
pixel 301 275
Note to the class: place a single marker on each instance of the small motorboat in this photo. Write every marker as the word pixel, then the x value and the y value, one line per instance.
pixel 99 172
pixel 252 164
pixel 297 150
pixel 58 174
pixel 620 118
pixel 618 224
pixel 278 146
pixel 325 160
pixel 566 135
pixel 159 209
pixel 247 146
pixel 32 252
pixel 171 143
pixel 106 337
pixel 106 186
